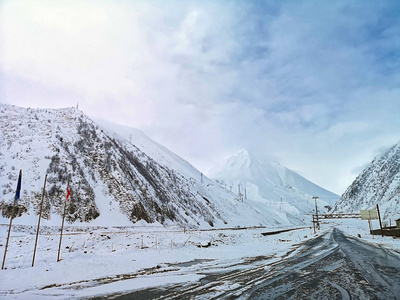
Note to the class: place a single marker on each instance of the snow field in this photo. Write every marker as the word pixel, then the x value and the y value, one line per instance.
pixel 105 260
pixel 109 254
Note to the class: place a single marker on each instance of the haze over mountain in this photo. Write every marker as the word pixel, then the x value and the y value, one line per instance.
pixel 378 183
pixel 114 180
pixel 269 182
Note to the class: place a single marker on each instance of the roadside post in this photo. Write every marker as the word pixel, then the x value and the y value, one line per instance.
pixel 380 221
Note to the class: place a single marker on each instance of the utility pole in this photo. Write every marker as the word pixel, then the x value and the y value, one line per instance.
pixel 316 211
pixel 313 222
pixel 38 226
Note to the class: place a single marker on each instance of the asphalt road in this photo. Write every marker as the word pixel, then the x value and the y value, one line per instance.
pixel 331 266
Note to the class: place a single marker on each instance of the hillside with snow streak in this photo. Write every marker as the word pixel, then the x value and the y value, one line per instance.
pixel 378 183
pixel 113 182
pixel 272 184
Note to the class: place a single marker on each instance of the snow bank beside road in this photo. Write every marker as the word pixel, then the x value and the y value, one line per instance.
pixel 355 227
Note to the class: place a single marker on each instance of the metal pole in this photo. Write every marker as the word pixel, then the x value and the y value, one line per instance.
pixel 40 216
pixel 62 228
pixel 8 237
pixel 12 216
pixel 316 211
pixel 380 222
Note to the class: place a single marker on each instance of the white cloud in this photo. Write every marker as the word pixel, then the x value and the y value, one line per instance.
pixel 311 83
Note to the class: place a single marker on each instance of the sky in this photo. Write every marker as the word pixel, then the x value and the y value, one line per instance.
pixel 313 84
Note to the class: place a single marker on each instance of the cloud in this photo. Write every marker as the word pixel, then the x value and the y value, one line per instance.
pixel 313 84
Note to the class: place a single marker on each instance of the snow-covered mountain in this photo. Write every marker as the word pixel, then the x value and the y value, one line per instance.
pixel 271 183
pixel 378 183
pixel 153 149
pixel 114 180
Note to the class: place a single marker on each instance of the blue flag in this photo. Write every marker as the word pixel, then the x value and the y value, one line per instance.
pixel 18 186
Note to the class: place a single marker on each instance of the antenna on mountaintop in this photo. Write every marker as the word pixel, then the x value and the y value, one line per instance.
pixel 77 105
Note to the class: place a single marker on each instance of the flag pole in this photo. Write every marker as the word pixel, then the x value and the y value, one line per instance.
pixel 8 238
pixel 12 216
pixel 38 226
pixel 62 225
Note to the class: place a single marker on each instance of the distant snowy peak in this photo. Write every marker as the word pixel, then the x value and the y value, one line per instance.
pixel 378 183
pixel 247 167
pixel 238 164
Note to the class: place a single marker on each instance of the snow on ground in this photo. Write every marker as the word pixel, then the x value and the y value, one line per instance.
pixel 353 227
pixel 105 260
pixel 100 253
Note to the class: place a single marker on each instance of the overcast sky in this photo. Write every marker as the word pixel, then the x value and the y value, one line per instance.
pixel 315 84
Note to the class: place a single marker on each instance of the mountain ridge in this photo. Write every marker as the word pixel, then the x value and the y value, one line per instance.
pixel 112 180
pixel 378 183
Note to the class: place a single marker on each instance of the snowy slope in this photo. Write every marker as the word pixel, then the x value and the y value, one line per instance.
pixel 153 149
pixel 378 183
pixel 113 182
pixel 271 183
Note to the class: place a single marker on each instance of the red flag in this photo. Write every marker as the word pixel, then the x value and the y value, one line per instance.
pixel 68 192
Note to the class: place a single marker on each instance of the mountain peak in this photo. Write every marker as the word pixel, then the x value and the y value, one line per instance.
pixel 242 153
pixel 272 180
pixel 240 160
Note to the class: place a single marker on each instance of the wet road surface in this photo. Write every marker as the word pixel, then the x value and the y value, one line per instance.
pixel 331 266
